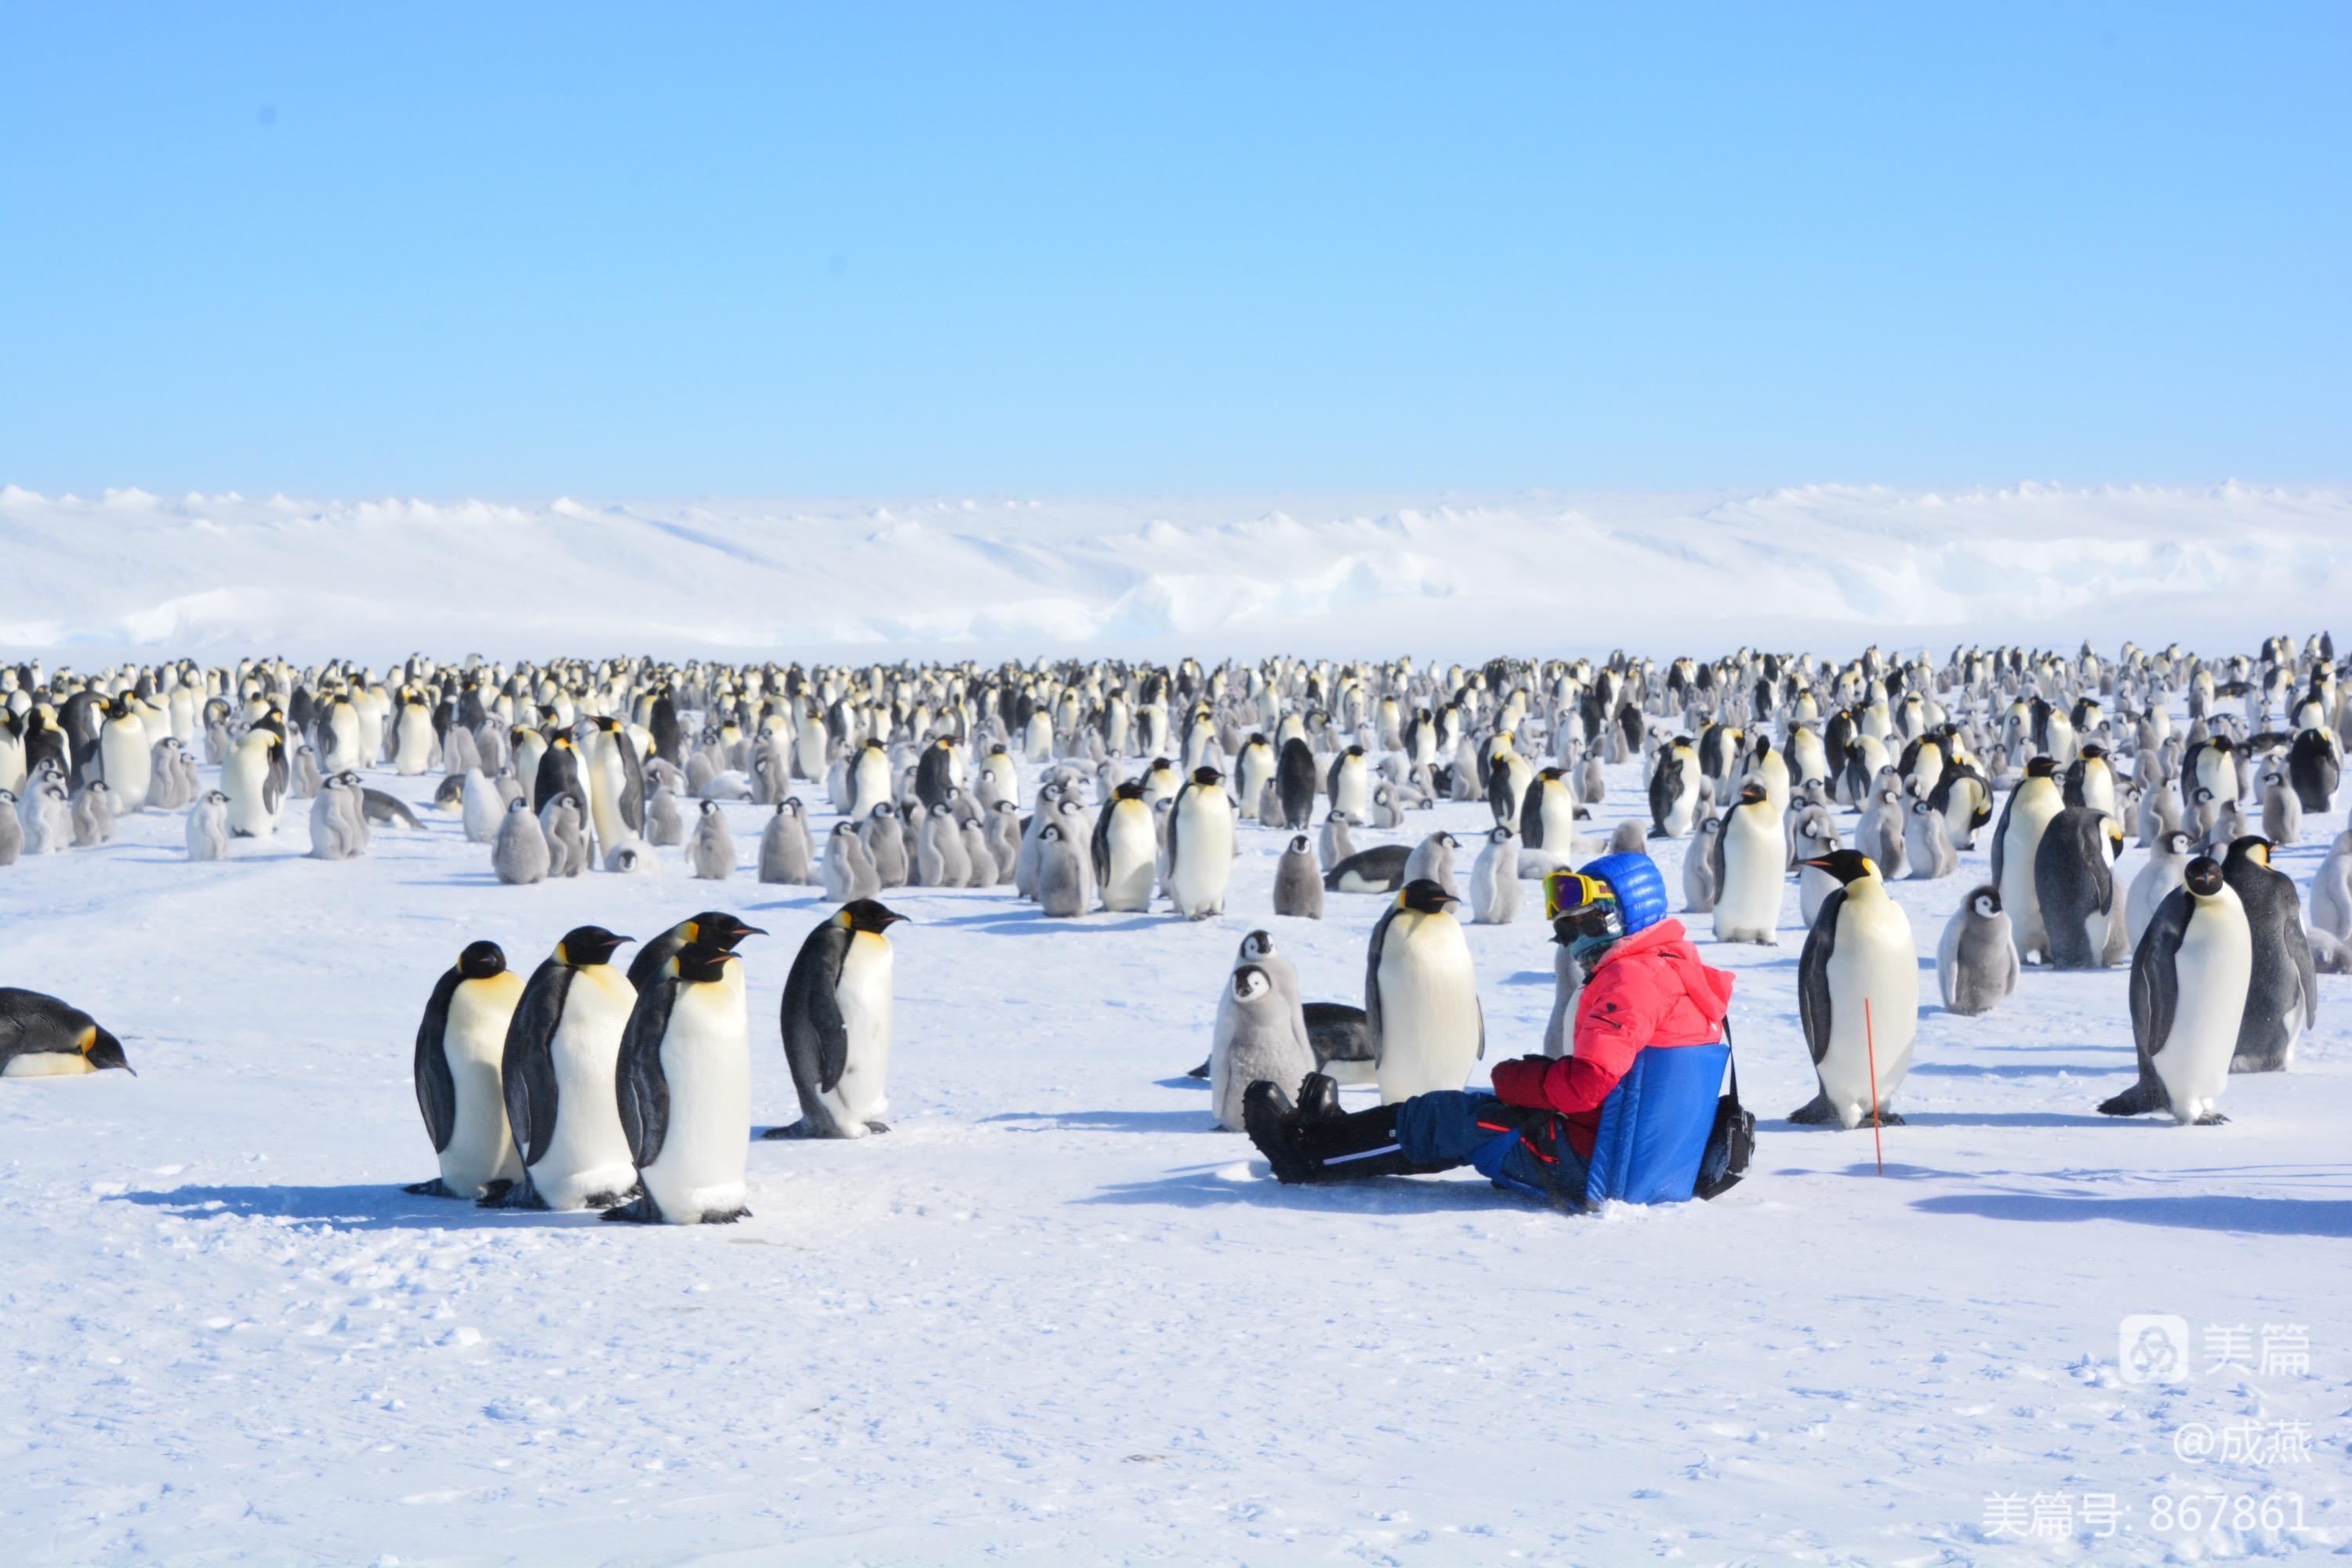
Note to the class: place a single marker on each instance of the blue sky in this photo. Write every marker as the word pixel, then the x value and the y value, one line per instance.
pixel 516 250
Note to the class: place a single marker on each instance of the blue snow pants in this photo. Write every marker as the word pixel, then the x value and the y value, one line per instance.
pixel 1522 1150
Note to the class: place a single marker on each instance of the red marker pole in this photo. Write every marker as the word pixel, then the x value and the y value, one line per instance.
pixel 1870 1045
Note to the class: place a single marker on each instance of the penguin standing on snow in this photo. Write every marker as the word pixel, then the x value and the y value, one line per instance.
pixel 684 1086
pixel 836 1024
pixel 1976 963
pixel 124 756
pixel 2282 986
pixel 1200 846
pixel 208 828
pixel 2083 905
pixel 1495 879
pixel 1421 996
pixel 1860 951
pixel 713 928
pixel 460 1045
pixel 2031 805
pixel 2189 984
pixel 1261 1033
pixel 1126 849
pixel 1064 888
pixel 557 1067
pixel 1293 780
pixel 712 851
pixel 2165 867
pixel 1698 867
pixel 41 1037
pixel 1750 865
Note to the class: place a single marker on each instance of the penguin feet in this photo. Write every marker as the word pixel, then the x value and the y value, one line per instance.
pixel 800 1129
pixel 615 1200
pixel 509 1195
pixel 721 1216
pixel 1200 1072
pixel 1888 1119
pixel 877 1127
pixel 2136 1101
pixel 641 1212
pixel 1815 1113
pixel 2211 1119
pixel 436 1188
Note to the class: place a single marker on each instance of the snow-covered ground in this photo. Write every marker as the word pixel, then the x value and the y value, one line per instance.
pixel 1053 1316
pixel 133 574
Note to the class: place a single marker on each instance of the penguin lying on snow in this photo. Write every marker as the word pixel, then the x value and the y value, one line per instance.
pixel 41 1037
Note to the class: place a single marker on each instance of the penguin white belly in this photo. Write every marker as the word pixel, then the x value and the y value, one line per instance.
pixel 2028 820
pixel 47 1064
pixel 1875 959
pixel 123 749
pixel 412 751
pixel 1134 859
pixel 2212 967
pixel 870 785
pixel 589 1155
pixel 1196 882
pixel 1429 1009
pixel 342 740
pixel 1353 794
pixel 1558 807
pixel 605 780
pixel 864 995
pixel 473 1042
pixel 1686 805
pixel 242 778
pixel 705 1060
pixel 1747 905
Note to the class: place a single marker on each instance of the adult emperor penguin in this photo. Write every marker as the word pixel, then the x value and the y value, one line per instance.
pixel 2331 891
pixel 713 928
pixel 1421 996
pixel 869 781
pixel 683 1085
pixel 125 754
pixel 460 1049
pixel 1976 963
pixel 2283 988
pixel 1200 846
pixel 1750 862
pixel 2313 768
pixel 1298 880
pixel 1964 800
pixel 1673 791
pixel 2032 806
pixel 1295 781
pixel 1252 771
pixel 1350 784
pixel 1261 1033
pixel 41 1037
pixel 561 1056
pixel 2189 984
pixel 2083 906
pixel 836 1024
pixel 247 779
pixel 1126 849
pixel 1857 996
pixel 617 781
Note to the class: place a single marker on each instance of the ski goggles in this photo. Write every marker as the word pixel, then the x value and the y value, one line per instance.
pixel 1588 898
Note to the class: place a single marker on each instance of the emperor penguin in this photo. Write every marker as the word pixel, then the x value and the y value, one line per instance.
pixel 2189 984
pixel 2033 804
pixel 482 806
pixel 1062 890
pixel 519 853
pixel 1976 963
pixel 2282 812
pixel 1698 867
pixel 1421 996
pixel 837 1022
pixel 1335 844
pixel 1547 814
pixel 785 845
pixel 12 828
pixel 2083 908
pixel 1673 790
pixel 617 781
pixel 2165 867
pixel 460 1049
pixel 2282 987
pixel 338 830
pixel 124 755
pixel 1298 880
pixel 684 1088
pixel 413 740
pixel 1350 784
pixel 247 779
pixel 1295 781
pixel 41 1037
pixel 208 828
pixel 1927 845
pixel 1200 846
pixel 885 842
pixel 1260 1034
pixel 849 873
pixel 1880 832
pixel 1857 997
pixel 1750 869
pixel 1253 772
pixel 712 928
pixel 2313 768
pixel 563 1050
pixel 2331 891
pixel 1126 849
pixel 1495 879
pixel 1432 859
pixel 869 781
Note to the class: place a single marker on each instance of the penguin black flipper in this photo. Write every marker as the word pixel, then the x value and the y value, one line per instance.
pixel 1100 840
pixel 1372 984
pixel 1814 974
pixel 2001 835
pixel 436 1093
pixel 1382 863
pixel 1531 814
pixel 2154 993
pixel 815 980
pixel 633 783
pixel 1200 1072
pixel 641 1087
pixel 2070 793
pixel 529 1066
pixel 1715 849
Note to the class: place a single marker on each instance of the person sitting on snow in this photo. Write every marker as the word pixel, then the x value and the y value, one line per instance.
pixel 1644 988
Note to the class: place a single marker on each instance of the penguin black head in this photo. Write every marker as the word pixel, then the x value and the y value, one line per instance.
pixel 1258 944
pixel 701 962
pixel 1250 982
pixel 481 960
pixel 2093 750
pixel 868 915
pixel 717 928
pixel 1298 843
pixel 102 1050
pixel 1848 866
pixel 1426 897
pixel 1752 792
pixel 2253 846
pixel 1986 902
pixel 1131 790
pixel 584 945
pixel 1204 777
pixel 2204 877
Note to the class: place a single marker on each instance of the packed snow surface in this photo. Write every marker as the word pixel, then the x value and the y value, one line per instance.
pixel 133 574
pixel 1052 1315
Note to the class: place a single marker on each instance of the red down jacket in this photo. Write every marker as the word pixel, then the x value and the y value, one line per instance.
pixel 1649 990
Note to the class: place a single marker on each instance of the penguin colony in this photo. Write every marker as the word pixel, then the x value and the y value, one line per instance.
pixel 1102 788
